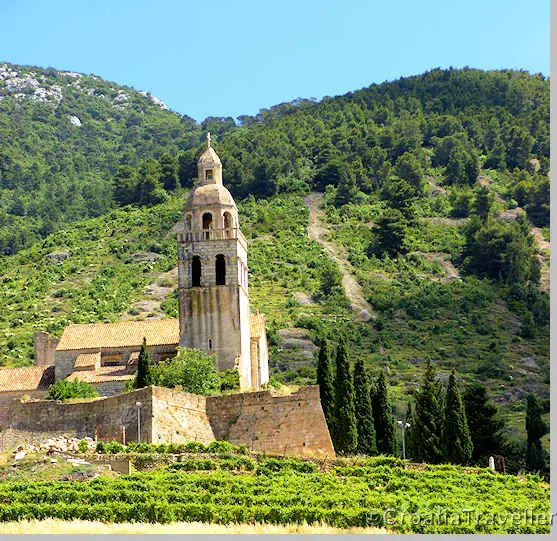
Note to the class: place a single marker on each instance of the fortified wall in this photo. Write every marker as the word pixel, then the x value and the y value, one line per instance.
pixel 262 421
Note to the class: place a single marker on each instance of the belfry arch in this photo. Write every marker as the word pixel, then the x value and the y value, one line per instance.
pixel 195 271
pixel 220 270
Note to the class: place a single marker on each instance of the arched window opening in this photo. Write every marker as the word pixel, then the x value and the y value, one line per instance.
pixel 209 174
pixel 207 221
pixel 220 270
pixel 228 224
pixel 210 345
pixel 195 271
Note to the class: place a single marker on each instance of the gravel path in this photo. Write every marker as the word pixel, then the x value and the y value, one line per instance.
pixel 318 231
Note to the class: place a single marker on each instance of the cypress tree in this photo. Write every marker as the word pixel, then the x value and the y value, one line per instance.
pixel 535 429
pixel 457 442
pixel 364 413
pixel 346 432
pixel 484 425
pixel 428 420
pixel 326 383
pixel 383 416
pixel 144 376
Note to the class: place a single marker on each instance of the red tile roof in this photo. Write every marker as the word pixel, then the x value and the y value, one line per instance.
pixel 26 379
pixel 102 374
pixel 87 361
pixel 157 332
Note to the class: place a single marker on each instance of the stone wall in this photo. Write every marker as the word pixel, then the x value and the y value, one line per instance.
pixel 281 425
pixel 7 398
pixel 179 417
pixel 45 348
pixel 291 424
pixel 103 417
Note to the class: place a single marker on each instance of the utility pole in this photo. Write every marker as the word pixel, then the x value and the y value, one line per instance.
pixel 138 405
pixel 403 427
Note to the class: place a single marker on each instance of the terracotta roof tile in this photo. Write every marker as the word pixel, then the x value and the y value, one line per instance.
pixel 87 361
pixel 26 379
pixel 157 332
pixel 102 374
pixel 257 325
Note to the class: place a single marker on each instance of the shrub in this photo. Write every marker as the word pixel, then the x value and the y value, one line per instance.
pixel 63 390
pixel 192 369
pixel 220 447
pixel 82 446
pixel 229 380
pixel 111 447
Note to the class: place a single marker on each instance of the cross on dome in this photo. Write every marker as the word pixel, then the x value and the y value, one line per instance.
pixel 208 139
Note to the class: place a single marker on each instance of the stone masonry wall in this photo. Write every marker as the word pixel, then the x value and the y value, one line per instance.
pixel 7 399
pixel 280 425
pixel 180 417
pixel 292 424
pixel 45 348
pixel 103 417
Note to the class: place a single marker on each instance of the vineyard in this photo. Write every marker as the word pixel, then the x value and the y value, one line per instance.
pixel 239 489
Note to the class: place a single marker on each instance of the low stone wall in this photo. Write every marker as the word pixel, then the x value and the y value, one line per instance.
pixel 7 398
pixel 275 424
pixel 103 417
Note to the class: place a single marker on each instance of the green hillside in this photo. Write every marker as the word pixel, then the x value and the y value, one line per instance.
pixel 431 191
pixel 62 137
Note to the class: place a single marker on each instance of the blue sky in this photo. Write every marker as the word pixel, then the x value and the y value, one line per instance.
pixel 227 58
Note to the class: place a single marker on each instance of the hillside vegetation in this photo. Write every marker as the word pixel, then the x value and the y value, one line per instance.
pixel 435 189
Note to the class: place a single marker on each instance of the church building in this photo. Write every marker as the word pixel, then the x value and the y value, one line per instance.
pixel 214 308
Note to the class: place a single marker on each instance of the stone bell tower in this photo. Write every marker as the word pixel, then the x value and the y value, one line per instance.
pixel 213 276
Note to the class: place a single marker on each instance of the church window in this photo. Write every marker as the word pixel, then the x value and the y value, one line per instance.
pixel 207 220
pixel 220 270
pixel 210 345
pixel 209 174
pixel 195 271
pixel 228 223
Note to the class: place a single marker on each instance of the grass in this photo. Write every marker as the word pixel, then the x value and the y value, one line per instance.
pixel 78 527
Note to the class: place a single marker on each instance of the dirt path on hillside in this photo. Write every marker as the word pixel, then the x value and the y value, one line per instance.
pixel 318 231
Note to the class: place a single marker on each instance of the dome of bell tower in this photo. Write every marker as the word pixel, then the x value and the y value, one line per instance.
pixel 209 166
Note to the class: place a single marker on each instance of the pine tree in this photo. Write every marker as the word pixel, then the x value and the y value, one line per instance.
pixel 483 203
pixel 346 432
pixel 457 442
pixel 483 423
pixel 382 416
pixel 326 383
pixel 144 376
pixel 168 171
pixel 428 420
pixel 364 412
pixel 535 429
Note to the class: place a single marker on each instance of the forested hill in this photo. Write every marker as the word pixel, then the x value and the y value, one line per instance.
pixel 456 118
pixel 62 137
pixel 73 146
